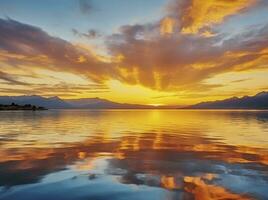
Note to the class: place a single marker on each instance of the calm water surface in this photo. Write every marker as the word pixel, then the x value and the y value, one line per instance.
pixel 133 155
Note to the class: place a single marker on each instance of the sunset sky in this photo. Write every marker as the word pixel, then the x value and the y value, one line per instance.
pixel 159 52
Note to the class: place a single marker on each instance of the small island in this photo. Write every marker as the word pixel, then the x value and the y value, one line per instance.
pixel 14 106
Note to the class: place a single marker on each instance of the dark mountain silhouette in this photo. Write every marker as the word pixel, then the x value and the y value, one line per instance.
pixel 259 101
pixel 52 102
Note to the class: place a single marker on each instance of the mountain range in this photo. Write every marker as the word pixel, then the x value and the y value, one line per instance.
pixel 259 101
pixel 57 103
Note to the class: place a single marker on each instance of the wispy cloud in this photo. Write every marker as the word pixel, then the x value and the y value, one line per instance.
pixel 11 79
pixel 241 80
pixel 60 89
pixel 197 16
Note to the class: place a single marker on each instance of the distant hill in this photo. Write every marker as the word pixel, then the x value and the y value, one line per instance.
pixel 52 102
pixel 259 101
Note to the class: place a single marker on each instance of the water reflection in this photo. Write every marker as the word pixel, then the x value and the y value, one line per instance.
pixel 149 154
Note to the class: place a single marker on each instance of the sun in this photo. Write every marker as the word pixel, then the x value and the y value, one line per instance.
pixel 156 104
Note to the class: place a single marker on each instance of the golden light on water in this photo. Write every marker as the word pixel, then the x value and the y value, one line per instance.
pixel 168 149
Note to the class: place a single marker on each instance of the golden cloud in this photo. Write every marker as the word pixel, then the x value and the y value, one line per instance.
pixel 167 26
pixel 201 14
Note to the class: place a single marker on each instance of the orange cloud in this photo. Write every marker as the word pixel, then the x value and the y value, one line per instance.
pixel 203 191
pixel 183 62
pixel 167 26
pixel 203 14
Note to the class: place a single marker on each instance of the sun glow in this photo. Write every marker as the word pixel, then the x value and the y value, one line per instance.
pixel 132 93
pixel 156 104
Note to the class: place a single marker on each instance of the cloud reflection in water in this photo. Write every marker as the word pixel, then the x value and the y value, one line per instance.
pixel 134 155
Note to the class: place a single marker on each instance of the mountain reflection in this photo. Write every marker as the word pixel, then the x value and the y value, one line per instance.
pixel 167 155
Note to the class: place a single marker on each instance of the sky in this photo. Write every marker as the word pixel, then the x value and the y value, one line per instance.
pixel 155 52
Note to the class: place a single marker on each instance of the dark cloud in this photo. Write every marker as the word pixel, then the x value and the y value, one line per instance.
pixel 241 80
pixel 85 6
pixel 90 34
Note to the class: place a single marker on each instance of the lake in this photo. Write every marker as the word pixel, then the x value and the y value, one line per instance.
pixel 133 155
